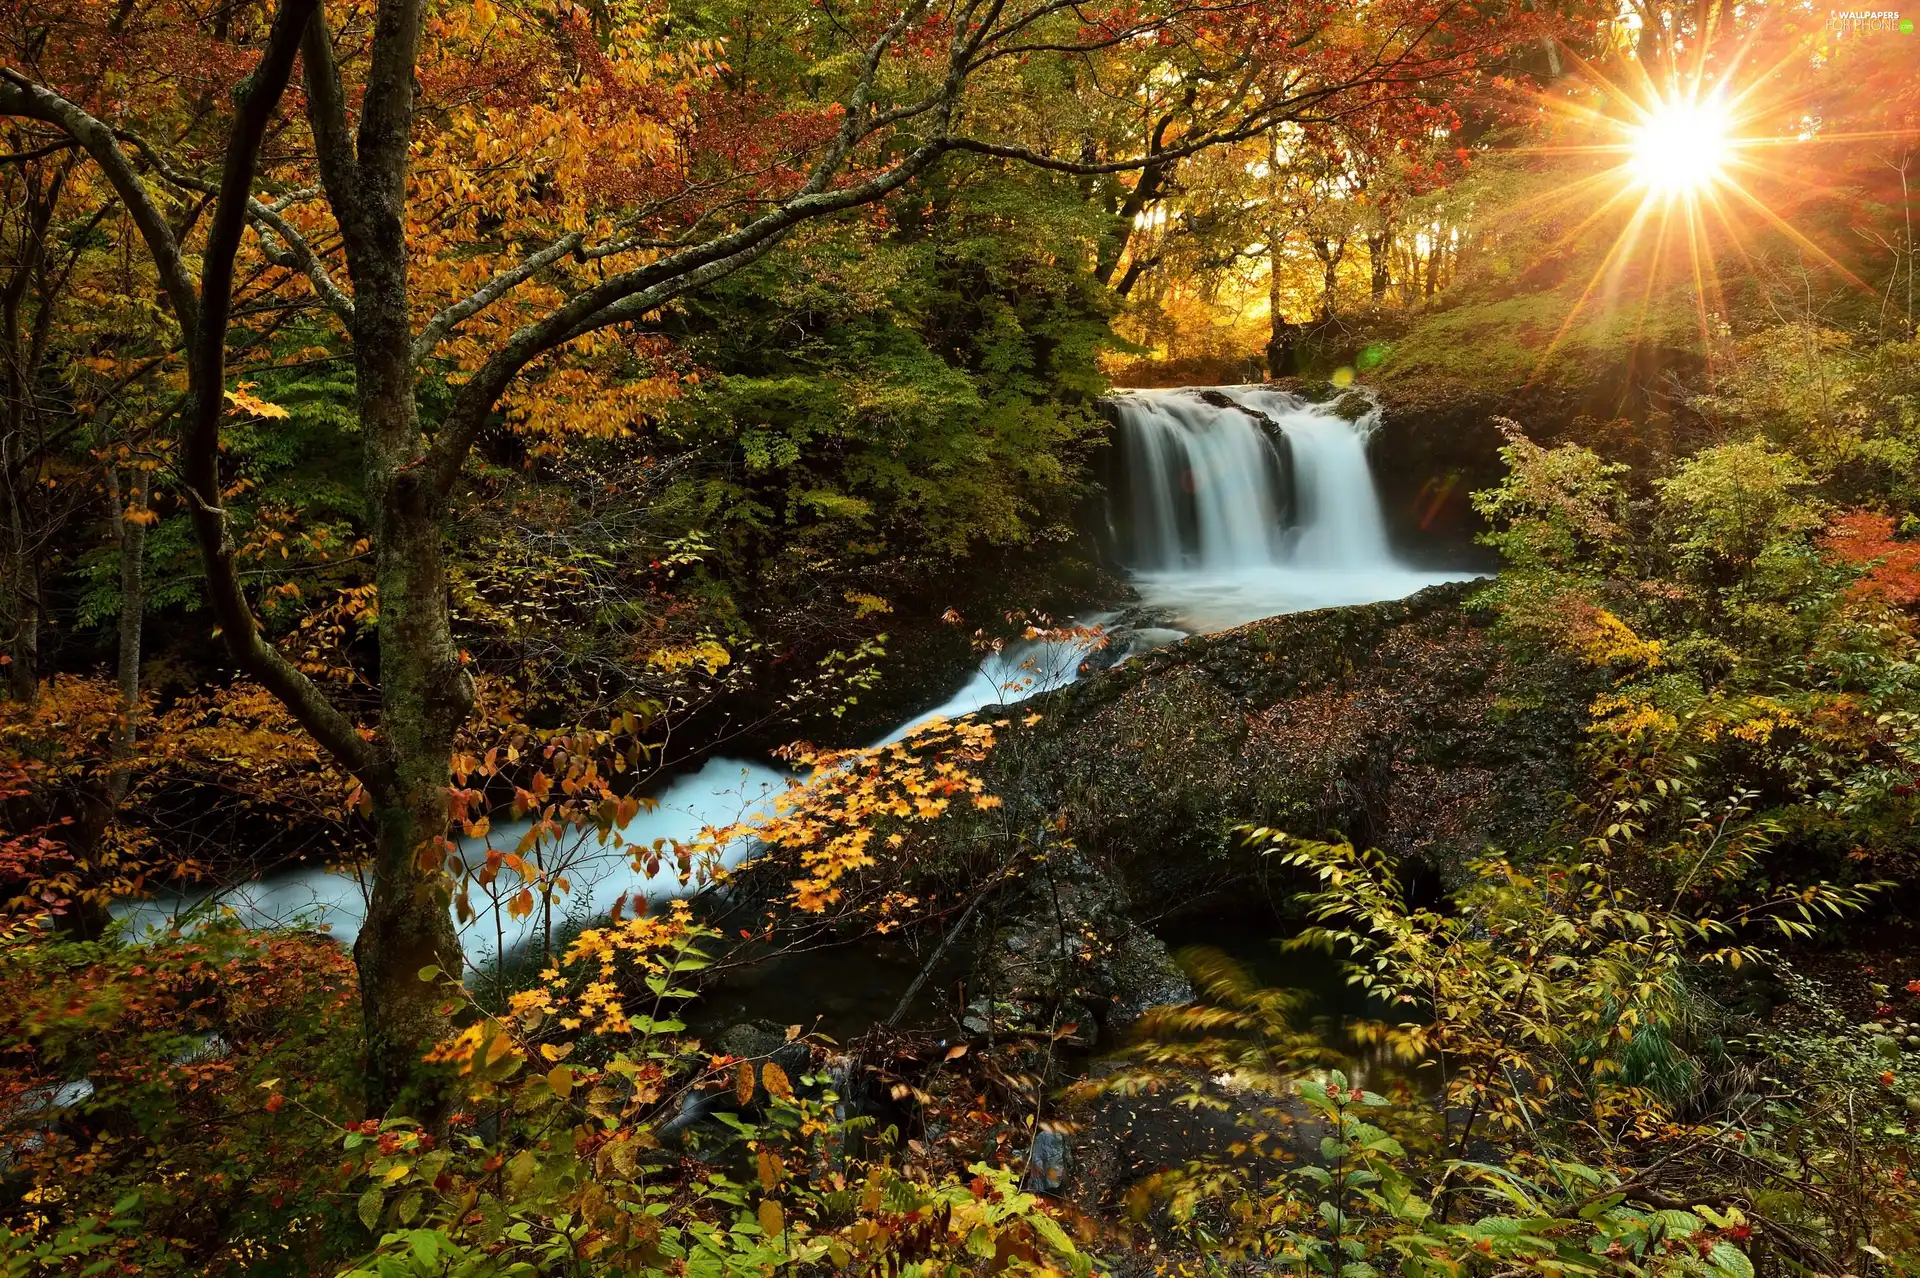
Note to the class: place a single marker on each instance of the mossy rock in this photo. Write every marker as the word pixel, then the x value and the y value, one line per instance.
pixel 1408 726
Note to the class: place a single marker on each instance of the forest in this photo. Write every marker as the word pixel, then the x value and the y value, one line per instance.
pixel 794 637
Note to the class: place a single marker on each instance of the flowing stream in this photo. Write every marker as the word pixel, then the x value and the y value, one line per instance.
pixel 1226 516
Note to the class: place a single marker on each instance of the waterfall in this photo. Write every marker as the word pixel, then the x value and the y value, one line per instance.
pixel 1207 483
pixel 1225 523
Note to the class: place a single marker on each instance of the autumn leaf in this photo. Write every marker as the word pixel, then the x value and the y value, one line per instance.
pixel 743 1082
pixel 245 402
pixel 776 1082
pixel 768 1168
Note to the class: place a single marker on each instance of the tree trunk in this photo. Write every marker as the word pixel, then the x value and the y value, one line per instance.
pixel 425 692
pixel 1114 244
pixel 1330 253
pixel 19 572
pixel 22 617
pixel 1380 260
pixel 425 697
pixel 88 917
pixel 1282 334
pixel 407 929
pixel 1148 188
pixel 132 526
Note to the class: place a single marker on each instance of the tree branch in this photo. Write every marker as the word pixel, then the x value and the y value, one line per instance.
pixel 256 99
pixel 452 316
pixel 283 246
pixel 19 96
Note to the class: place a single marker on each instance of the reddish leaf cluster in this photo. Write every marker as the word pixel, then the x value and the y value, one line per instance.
pixel 1865 540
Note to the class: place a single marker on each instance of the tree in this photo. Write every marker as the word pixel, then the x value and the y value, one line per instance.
pixel 502 190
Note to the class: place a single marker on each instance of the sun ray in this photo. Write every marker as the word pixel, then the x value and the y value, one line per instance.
pixel 1799 239
pixel 1622 245
pixel 1686 147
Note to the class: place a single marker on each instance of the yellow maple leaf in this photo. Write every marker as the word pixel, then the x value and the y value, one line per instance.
pixel 251 405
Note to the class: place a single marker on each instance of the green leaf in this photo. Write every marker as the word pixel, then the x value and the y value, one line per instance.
pixel 407 1210
pixel 426 1245
pixel 1730 1260
pixel 368 1207
pixel 520 1169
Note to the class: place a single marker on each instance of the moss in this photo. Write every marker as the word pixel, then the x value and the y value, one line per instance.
pixel 1552 338
pixel 1352 406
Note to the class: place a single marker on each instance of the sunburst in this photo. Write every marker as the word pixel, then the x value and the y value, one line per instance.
pixel 1685 159
pixel 1682 147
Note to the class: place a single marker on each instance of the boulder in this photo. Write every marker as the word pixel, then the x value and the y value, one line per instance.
pixel 1409 726
pixel 1070 952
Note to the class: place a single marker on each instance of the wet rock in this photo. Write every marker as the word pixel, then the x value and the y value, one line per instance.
pixel 1071 953
pixel 1076 1026
pixel 764 1041
pixel 1141 974
pixel 1353 405
pixel 1147 638
pixel 1049 1163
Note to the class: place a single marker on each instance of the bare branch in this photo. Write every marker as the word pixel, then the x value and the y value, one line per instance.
pixel 20 96
pixel 283 246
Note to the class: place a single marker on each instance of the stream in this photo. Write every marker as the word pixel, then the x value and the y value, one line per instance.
pixel 1221 524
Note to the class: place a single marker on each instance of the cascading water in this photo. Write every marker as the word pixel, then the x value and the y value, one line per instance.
pixel 1227 524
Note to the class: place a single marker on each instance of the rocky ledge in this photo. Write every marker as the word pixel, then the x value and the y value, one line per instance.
pixel 1408 726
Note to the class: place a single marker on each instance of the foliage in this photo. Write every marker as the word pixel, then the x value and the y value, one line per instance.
pixel 138 1130
pixel 228 758
pixel 1559 1024
pixel 1758 640
pixel 601 1165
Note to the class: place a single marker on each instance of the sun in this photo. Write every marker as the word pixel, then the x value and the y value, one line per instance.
pixel 1684 166
pixel 1681 147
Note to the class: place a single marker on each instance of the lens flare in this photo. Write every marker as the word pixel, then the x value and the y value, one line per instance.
pixel 1682 147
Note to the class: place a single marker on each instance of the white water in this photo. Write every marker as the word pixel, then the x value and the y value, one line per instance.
pixel 1234 558
pixel 720 793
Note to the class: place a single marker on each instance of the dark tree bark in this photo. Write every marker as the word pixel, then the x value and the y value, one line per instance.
pixel 100 804
pixel 1283 336
pixel 1331 252
pixel 1380 264
pixel 25 319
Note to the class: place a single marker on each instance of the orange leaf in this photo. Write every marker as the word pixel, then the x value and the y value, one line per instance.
pixel 743 1082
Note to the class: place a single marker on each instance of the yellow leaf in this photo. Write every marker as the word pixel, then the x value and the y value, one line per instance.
pixel 768 1169
pixel 775 1079
pixel 743 1082
pixel 500 1046
pixel 252 405
pixel 772 1221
